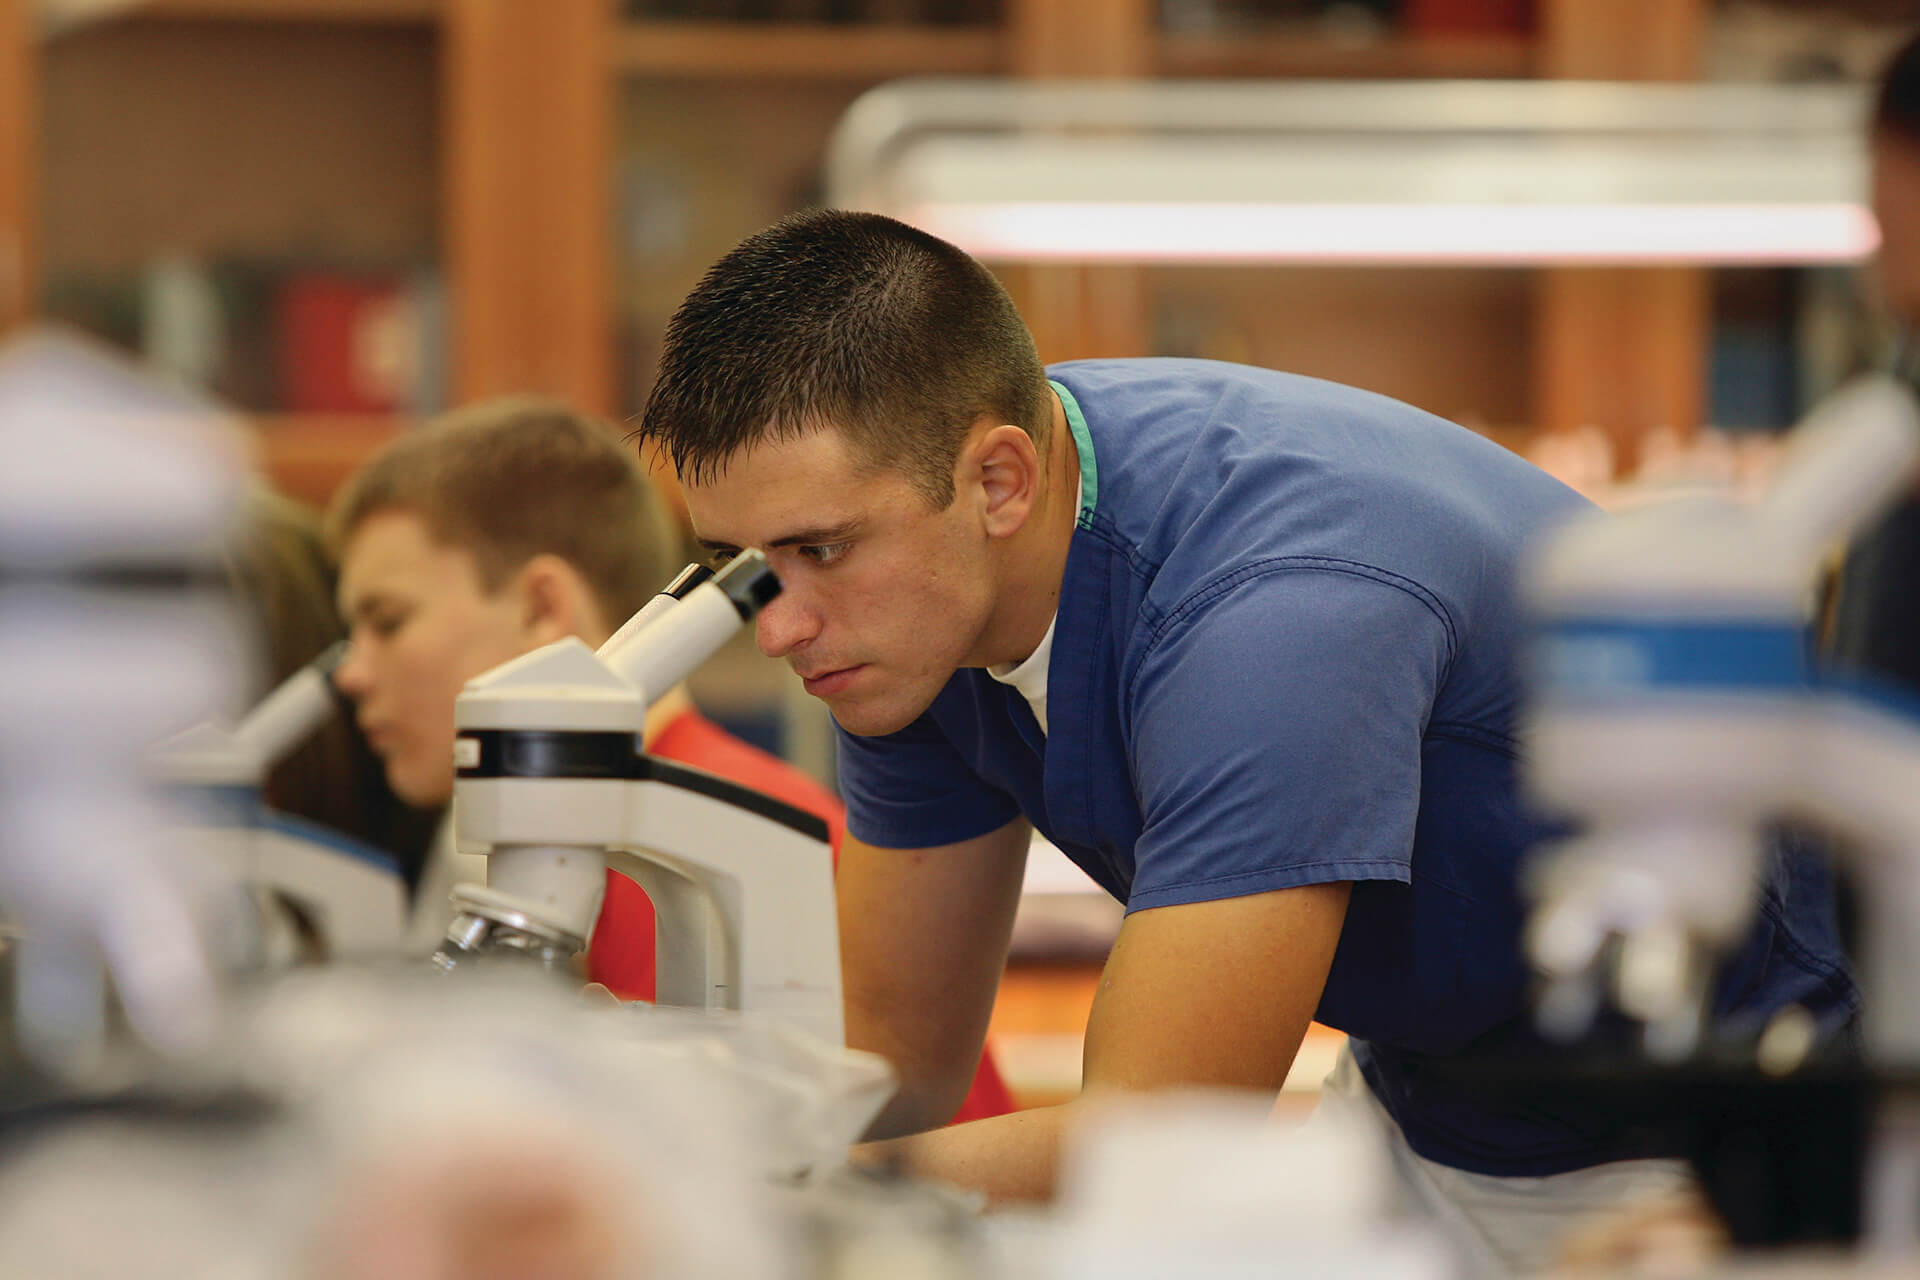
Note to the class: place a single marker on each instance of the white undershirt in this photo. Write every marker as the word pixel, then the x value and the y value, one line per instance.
pixel 1030 676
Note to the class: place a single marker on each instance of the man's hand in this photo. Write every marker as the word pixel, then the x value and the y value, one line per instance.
pixel 1211 994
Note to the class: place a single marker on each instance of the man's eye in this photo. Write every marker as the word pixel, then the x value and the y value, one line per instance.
pixel 826 553
pixel 720 559
pixel 384 625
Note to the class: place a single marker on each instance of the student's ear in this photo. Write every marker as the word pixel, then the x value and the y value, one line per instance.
pixel 1007 468
pixel 554 600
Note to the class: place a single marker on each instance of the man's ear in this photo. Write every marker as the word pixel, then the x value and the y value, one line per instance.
pixel 1007 468
pixel 555 601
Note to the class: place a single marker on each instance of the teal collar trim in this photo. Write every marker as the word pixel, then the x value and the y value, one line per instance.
pixel 1083 444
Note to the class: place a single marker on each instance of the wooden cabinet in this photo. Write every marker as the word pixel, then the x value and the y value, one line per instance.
pixel 568 172
pixel 463 139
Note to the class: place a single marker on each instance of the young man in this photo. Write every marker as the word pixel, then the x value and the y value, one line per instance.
pixel 1877 619
pixel 1242 644
pixel 486 534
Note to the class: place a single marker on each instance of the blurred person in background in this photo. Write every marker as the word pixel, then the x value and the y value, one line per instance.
pixel 482 536
pixel 1876 621
pixel 283 580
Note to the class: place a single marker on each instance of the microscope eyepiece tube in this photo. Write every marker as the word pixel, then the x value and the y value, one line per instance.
pixel 670 596
pixel 303 702
pixel 659 653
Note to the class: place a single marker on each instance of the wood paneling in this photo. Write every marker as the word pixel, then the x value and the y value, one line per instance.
pixel 1257 53
pixel 1081 37
pixel 841 51
pixel 18 190
pixel 307 456
pixel 284 141
pixel 336 11
pixel 1077 311
pixel 529 124
pixel 1622 39
pixel 1624 349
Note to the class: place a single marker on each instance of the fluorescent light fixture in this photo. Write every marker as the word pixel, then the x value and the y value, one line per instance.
pixel 1430 234
pixel 1443 172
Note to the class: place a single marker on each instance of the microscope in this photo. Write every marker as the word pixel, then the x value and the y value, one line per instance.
pixel 1676 713
pixel 553 788
pixel 320 893
pixel 116 493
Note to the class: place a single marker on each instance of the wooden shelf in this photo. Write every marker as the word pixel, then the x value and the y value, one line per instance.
pixel 851 51
pixel 308 455
pixel 819 51
pixel 1311 56
pixel 65 12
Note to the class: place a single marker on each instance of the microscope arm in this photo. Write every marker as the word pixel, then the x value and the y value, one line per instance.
pixel 1846 462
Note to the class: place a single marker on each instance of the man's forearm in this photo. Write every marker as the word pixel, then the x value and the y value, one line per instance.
pixel 1014 1157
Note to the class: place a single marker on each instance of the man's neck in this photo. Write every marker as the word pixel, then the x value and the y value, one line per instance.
pixel 1034 561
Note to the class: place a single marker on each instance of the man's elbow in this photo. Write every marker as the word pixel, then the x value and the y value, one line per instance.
pixel 927 1097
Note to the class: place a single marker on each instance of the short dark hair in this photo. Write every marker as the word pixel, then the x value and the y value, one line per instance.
pixel 894 337
pixel 517 477
pixel 1896 107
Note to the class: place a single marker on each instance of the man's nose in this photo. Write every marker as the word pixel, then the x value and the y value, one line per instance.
pixel 353 677
pixel 785 624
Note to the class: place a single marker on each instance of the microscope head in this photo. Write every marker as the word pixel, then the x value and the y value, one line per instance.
pixel 1667 715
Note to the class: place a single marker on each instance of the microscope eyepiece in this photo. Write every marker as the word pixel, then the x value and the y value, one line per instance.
pixel 749 582
pixel 686 580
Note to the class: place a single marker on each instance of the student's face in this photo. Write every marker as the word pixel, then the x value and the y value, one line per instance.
pixel 882 597
pixel 1896 204
pixel 421 626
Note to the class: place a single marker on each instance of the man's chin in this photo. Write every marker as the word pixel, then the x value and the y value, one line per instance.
pixel 418 793
pixel 873 722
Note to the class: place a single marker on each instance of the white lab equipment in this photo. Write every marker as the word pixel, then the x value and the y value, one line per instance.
pixel 351 898
pixel 116 493
pixel 1206 1184
pixel 553 788
pixel 1676 712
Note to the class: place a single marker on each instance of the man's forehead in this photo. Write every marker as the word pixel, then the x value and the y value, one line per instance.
pixel 390 547
pixel 778 487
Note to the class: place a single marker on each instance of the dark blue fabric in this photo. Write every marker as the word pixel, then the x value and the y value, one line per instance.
pixel 1286 654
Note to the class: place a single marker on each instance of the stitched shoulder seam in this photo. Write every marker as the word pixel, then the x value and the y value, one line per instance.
pixel 1214 588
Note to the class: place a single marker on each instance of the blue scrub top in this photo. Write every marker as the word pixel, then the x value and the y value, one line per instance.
pixel 1286 654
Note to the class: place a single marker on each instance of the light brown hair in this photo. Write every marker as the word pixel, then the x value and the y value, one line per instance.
pixel 513 478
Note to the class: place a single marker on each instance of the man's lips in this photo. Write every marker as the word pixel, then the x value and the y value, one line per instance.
pixel 828 683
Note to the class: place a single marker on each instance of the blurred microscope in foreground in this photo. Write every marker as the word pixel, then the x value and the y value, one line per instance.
pixel 319 894
pixel 115 496
pixel 1677 716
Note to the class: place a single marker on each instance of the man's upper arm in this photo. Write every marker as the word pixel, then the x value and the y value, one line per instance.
pixel 923 938
pixel 1277 752
pixel 1213 993
pixel 1276 735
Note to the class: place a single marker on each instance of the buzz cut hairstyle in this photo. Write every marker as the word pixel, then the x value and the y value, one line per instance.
pixel 854 321
pixel 514 478
pixel 1896 105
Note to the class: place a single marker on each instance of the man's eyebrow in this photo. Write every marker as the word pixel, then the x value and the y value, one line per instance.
pixel 363 604
pixel 799 538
